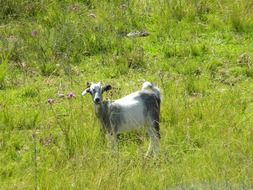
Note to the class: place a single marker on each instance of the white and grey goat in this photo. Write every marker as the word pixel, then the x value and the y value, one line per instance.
pixel 141 108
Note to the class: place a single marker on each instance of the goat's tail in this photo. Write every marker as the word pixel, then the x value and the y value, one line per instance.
pixel 148 85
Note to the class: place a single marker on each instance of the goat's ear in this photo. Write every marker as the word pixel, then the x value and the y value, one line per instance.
pixel 87 90
pixel 88 84
pixel 106 88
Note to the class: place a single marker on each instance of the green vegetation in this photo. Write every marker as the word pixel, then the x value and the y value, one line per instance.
pixel 198 52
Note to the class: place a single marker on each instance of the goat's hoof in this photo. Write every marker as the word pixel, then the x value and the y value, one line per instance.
pixel 148 155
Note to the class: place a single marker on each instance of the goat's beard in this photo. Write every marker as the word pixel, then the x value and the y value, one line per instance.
pixel 98 108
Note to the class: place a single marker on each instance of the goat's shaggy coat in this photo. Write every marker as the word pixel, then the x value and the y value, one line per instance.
pixel 141 108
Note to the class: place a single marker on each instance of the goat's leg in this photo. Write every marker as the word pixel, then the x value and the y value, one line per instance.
pixel 112 141
pixel 154 135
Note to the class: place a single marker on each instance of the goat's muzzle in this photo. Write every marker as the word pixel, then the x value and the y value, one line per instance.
pixel 97 101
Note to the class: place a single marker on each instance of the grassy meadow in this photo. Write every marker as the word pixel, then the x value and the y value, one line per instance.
pixel 200 54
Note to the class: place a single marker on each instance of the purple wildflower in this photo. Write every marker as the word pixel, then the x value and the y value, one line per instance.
pixel 34 33
pixel 71 95
pixel 50 101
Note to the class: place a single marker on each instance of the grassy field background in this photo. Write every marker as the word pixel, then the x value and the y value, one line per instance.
pixel 198 52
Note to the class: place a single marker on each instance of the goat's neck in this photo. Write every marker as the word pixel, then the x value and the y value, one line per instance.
pixel 102 111
pixel 98 110
pixel 102 108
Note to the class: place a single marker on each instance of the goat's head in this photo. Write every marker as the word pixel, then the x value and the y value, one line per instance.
pixel 96 90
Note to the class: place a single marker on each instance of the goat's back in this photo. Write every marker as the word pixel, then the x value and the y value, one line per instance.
pixel 134 109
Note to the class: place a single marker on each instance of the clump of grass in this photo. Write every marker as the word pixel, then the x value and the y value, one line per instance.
pixel 198 49
pixel 241 16
pixel 20 9
pixel 178 10
pixel 176 50
pixel 64 120
pixel 202 8
pixel 135 58
pixel 30 92
pixel 213 67
pixel 48 69
pixel 185 10
pixel 249 72
pixel 3 70
pixel 196 86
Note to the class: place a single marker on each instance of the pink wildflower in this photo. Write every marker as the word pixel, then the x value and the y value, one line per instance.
pixel 50 101
pixel 71 95
pixel 34 33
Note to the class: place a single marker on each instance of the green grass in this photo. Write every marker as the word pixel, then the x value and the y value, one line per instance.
pixel 198 52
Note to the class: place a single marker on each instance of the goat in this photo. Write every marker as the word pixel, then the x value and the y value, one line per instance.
pixel 141 108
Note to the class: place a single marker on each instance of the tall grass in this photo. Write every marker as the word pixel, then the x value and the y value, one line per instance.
pixel 198 52
pixel 3 70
